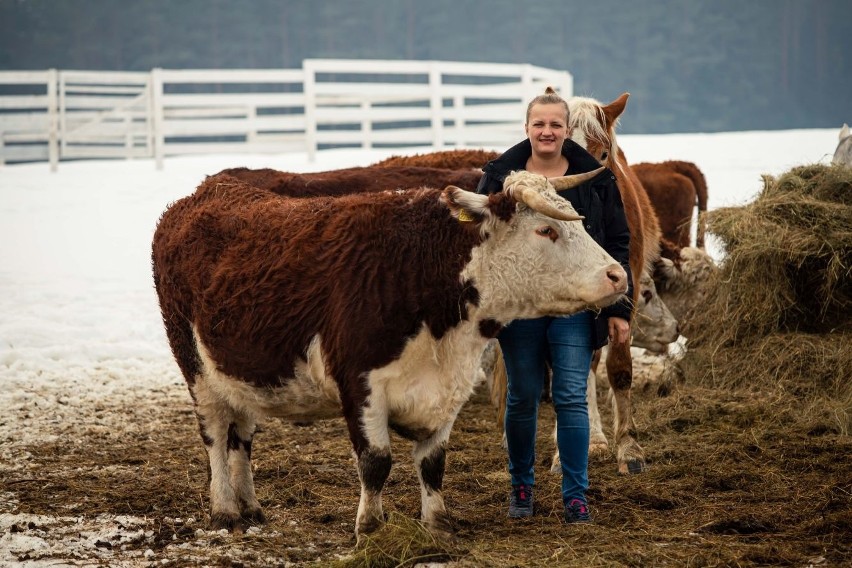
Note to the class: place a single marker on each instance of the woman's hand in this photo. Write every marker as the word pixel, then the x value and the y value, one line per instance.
pixel 619 330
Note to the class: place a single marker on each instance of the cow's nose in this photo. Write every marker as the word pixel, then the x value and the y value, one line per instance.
pixel 617 277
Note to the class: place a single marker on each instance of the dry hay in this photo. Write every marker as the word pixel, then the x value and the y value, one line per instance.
pixel 779 314
pixel 736 478
pixel 402 541
pixel 730 483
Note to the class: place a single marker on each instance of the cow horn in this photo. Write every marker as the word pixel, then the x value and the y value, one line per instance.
pixel 534 200
pixel 567 182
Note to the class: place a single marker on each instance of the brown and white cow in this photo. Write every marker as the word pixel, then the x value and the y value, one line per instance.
pixel 375 305
pixel 456 159
pixel 354 180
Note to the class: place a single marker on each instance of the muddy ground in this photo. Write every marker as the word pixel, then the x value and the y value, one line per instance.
pixel 736 478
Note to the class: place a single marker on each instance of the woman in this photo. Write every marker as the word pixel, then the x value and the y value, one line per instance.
pixel 565 344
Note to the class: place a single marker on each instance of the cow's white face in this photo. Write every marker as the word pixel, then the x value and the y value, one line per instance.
pixel 654 326
pixel 684 288
pixel 536 265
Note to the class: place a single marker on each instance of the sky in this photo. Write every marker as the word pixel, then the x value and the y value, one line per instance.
pixel 79 319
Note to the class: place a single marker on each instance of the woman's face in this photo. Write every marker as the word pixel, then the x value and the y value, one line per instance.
pixel 547 129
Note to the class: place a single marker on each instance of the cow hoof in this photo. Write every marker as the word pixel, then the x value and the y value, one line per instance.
pixel 632 467
pixel 441 527
pixel 368 526
pixel 253 518
pixel 598 448
pixel 228 521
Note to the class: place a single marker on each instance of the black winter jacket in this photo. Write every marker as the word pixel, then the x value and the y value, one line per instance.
pixel 598 200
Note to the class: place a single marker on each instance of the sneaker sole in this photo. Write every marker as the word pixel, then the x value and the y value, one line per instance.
pixel 520 513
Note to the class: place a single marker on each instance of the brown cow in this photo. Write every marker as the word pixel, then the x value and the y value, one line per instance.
pixel 675 188
pixel 446 159
pixel 377 304
pixel 353 180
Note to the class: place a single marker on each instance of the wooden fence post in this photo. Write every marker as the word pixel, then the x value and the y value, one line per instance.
pixel 436 104
pixel 309 89
pixel 52 123
pixel 157 116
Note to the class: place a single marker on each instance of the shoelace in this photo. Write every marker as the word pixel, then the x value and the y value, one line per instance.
pixel 579 506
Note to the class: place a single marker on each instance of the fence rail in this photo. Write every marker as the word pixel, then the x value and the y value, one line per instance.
pixel 56 115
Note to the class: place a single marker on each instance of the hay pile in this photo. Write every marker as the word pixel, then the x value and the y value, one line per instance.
pixel 780 311
pixel 401 541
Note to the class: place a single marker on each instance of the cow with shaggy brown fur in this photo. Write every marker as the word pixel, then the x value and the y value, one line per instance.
pixel 353 180
pixel 446 159
pixel 374 306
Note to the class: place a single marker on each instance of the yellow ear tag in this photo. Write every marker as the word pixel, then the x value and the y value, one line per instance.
pixel 464 216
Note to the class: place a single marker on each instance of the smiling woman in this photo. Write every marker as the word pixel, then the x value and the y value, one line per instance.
pixel 564 344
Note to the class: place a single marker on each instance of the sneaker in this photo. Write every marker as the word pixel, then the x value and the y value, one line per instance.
pixel 577 512
pixel 521 501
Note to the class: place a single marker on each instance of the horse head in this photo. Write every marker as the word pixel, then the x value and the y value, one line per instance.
pixel 593 126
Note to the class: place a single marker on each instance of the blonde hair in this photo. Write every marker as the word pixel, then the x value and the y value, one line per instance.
pixel 550 97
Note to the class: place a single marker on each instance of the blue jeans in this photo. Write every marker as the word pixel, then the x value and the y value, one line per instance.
pixel 528 346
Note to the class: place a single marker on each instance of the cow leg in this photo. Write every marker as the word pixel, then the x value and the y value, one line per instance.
pixel 368 430
pixel 227 437
pixel 429 461
pixel 597 440
pixel 240 436
pixel 374 465
pixel 619 368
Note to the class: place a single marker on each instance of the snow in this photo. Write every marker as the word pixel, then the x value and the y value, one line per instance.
pixel 80 324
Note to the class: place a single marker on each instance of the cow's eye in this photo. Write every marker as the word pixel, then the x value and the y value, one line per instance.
pixel 604 155
pixel 547 231
pixel 647 295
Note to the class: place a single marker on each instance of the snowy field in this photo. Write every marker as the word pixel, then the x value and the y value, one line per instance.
pixel 80 323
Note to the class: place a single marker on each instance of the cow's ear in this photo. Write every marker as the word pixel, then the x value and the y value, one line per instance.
pixel 466 206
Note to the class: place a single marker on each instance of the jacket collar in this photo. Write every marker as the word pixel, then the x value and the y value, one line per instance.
pixel 515 158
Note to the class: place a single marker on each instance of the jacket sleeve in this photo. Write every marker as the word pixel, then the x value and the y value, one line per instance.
pixel 489 184
pixel 617 244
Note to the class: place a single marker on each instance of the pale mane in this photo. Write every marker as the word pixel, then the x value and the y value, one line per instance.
pixel 586 119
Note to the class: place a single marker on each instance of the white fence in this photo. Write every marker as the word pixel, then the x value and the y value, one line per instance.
pixel 55 115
